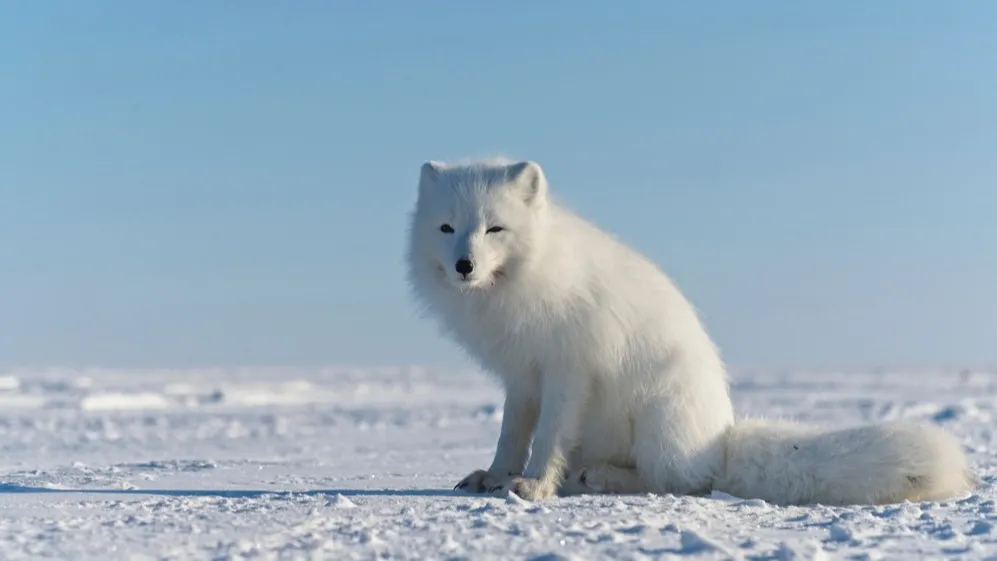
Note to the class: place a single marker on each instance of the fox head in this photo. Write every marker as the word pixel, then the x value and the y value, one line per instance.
pixel 477 224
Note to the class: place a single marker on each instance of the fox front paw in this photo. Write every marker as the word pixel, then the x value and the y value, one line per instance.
pixel 528 488
pixel 481 481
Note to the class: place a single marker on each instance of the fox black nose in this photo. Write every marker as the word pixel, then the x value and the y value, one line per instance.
pixel 464 266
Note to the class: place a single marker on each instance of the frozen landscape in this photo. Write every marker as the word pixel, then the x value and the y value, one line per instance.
pixel 343 463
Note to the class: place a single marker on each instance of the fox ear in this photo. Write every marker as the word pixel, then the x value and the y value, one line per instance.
pixel 528 179
pixel 430 171
pixel 429 174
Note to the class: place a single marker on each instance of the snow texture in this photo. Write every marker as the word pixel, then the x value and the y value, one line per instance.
pixel 359 464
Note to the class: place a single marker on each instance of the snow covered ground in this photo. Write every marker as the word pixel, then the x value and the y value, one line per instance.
pixel 359 464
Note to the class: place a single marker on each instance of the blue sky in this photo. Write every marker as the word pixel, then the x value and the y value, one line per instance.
pixel 191 183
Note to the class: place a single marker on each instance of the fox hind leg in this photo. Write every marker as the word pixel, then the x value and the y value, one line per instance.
pixel 604 479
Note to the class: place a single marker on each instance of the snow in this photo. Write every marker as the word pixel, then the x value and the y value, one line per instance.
pixel 340 463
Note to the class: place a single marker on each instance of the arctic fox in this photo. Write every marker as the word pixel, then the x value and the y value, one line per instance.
pixel 609 373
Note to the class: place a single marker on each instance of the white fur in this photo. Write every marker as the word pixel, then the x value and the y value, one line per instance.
pixel 607 368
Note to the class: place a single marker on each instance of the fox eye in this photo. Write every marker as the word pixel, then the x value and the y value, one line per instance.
pixel 446 229
pixel 494 229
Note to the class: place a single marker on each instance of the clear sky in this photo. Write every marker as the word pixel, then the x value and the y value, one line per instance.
pixel 204 183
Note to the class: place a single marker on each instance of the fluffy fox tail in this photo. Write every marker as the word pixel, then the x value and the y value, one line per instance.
pixel 787 463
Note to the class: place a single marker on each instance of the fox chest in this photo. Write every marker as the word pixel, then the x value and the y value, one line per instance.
pixel 528 342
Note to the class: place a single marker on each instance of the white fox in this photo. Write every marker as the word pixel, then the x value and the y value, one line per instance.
pixel 608 371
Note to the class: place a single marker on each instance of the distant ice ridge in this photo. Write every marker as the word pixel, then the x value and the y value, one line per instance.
pixel 166 389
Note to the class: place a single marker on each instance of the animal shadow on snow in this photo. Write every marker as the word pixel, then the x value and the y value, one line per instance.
pixel 10 489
